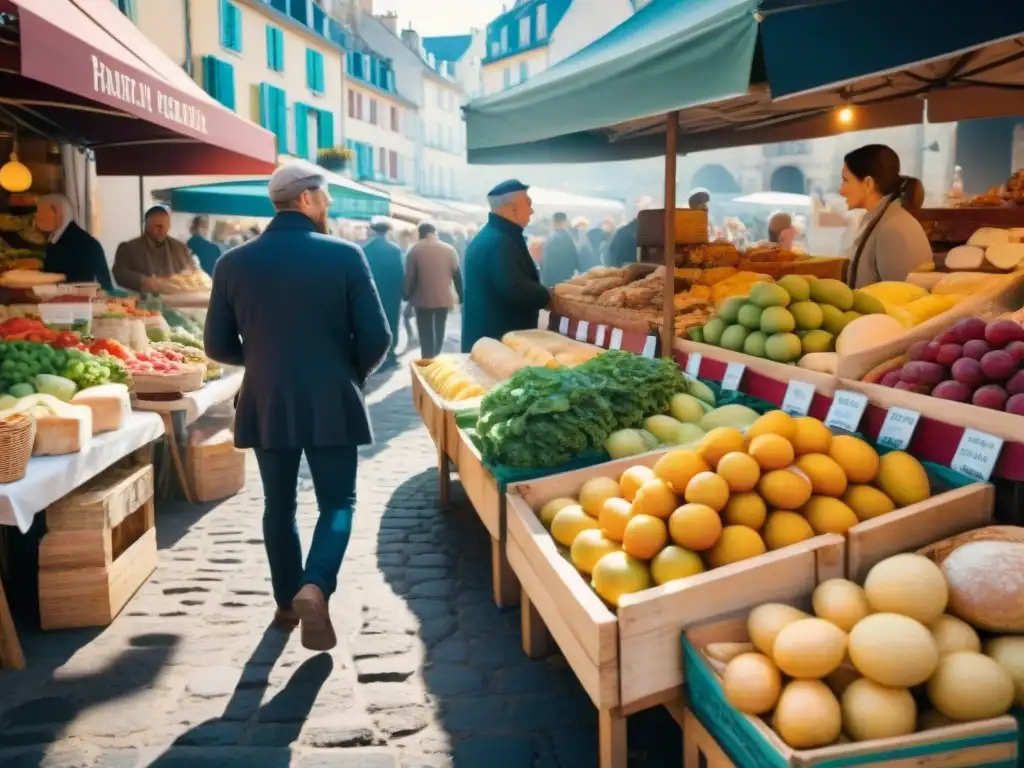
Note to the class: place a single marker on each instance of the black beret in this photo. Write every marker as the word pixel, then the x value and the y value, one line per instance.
pixel 508 187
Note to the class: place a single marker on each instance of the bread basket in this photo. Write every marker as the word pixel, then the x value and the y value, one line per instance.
pixel 17 435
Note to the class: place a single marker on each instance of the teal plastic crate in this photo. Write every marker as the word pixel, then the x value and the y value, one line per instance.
pixel 747 747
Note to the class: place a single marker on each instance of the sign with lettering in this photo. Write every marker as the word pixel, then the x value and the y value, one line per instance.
pixel 563 326
pixel 122 87
pixel 798 399
pixel 898 428
pixel 602 330
pixel 581 330
pixel 650 344
pixel 733 376
pixel 977 454
pixel 846 411
pixel 616 342
pixel 693 364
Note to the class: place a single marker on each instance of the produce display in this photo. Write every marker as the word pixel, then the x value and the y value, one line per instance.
pixel 974 362
pixel 455 377
pixel 896 655
pixel 543 417
pixel 194 281
pixel 989 248
pixel 27 367
pixel 732 496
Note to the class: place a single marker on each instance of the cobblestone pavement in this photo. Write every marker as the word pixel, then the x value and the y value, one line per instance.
pixel 427 673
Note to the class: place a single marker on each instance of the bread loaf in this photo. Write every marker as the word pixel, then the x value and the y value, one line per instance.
pixel 986 584
pixel 940 550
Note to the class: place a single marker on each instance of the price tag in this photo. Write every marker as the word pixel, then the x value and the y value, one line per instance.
pixel 581 330
pixel 649 346
pixel 798 399
pixel 898 428
pixel 977 454
pixel 733 376
pixel 599 338
pixel 693 364
pixel 616 342
pixel 846 410
pixel 58 315
pixel 563 326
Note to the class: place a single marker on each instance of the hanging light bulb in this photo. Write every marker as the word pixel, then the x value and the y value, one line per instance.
pixel 15 175
pixel 845 115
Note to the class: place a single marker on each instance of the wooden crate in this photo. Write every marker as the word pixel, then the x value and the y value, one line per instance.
pixel 99 548
pixel 482 491
pixel 214 467
pixel 630 662
pixel 752 744
pixel 427 403
pixel 699 746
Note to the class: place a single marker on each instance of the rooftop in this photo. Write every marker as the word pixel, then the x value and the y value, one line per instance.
pixel 448 47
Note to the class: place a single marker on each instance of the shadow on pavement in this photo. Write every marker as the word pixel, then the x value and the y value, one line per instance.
pixel 37 723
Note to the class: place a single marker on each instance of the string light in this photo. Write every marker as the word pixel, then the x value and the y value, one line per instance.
pixel 845 115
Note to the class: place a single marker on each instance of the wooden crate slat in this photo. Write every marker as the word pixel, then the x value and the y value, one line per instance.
pixel 104 501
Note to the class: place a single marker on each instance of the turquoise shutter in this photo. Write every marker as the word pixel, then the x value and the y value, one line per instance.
pixel 275 49
pixel 325 130
pixel 230 26
pixel 320 73
pixel 281 121
pixel 301 131
pixel 226 84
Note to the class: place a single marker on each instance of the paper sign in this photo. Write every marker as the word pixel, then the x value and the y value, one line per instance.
pixel 599 338
pixel 581 330
pixel 563 326
pixel 846 411
pixel 898 428
pixel 733 376
pixel 649 346
pixel 977 454
pixel 616 342
pixel 798 399
pixel 58 315
pixel 693 364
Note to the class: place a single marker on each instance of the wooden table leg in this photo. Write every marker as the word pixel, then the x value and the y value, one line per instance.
pixel 11 656
pixel 503 578
pixel 179 467
pixel 444 476
pixel 611 725
pixel 537 641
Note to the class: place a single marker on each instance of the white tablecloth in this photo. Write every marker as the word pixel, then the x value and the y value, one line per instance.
pixel 195 404
pixel 50 478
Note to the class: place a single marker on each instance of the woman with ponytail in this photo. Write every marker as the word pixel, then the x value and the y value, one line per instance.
pixel 891 242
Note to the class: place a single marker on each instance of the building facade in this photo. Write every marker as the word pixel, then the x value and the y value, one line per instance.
pixel 460 56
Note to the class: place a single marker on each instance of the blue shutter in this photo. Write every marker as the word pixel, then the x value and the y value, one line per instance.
pixel 301 131
pixel 281 121
pixel 315 70
pixel 265 121
pixel 226 84
pixel 325 130
pixel 230 26
pixel 275 49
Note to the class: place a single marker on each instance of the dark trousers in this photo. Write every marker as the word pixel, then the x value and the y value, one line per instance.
pixel 431 323
pixel 334 482
pixel 392 314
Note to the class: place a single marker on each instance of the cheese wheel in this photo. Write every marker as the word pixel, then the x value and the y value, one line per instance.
pixel 986 585
pixel 965 257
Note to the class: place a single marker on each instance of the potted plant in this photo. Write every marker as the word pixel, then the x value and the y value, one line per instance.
pixel 334 158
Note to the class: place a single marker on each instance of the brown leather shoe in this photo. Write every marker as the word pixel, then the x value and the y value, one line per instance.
pixel 317 629
pixel 286 619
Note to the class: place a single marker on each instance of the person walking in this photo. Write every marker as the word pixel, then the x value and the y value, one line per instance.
pixel 502 285
pixel 561 255
pixel 206 251
pixel 70 250
pixel 431 268
pixel 385 259
pixel 305 366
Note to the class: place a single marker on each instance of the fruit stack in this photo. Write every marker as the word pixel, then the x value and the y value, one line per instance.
pixel 854 667
pixel 786 320
pixel 730 498
pixel 972 362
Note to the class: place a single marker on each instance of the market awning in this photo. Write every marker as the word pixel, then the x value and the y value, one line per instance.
pixel 80 71
pixel 249 198
pixel 745 72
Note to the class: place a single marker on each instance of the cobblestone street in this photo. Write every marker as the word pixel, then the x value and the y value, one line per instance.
pixel 427 671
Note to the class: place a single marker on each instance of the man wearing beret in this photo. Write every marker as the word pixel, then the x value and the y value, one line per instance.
pixel 298 309
pixel 501 286
pixel 385 259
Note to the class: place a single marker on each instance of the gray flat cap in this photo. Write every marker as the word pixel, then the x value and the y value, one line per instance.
pixel 290 181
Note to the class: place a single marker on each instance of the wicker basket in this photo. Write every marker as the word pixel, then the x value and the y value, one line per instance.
pixel 216 469
pixel 17 434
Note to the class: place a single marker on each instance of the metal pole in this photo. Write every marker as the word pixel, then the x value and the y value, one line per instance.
pixel 668 329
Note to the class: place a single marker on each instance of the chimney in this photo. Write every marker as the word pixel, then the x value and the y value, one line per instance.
pixel 412 39
pixel 366 6
pixel 389 20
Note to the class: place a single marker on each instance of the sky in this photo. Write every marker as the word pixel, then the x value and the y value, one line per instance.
pixel 442 17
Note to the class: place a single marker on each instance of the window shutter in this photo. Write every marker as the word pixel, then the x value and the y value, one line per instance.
pixel 325 130
pixel 210 75
pixel 265 121
pixel 301 131
pixel 226 84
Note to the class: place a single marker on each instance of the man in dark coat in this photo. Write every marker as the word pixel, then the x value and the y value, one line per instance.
pixel 297 308
pixel 205 250
pixel 561 255
pixel 501 284
pixel 385 259
pixel 70 250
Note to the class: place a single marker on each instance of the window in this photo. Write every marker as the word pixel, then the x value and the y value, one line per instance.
pixel 507 77
pixel 302 130
pixel 219 80
pixel 363 157
pixel 315 70
pixel 495 50
pixel 373 111
pixel 393 165
pixel 275 49
pixel 351 103
pixel 324 129
pixel 504 39
pixel 524 31
pixel 524 71
pixel 394 120
pixel 230 26
pixel 382 164
pixel 127 7
pixel 542 21
pixel 274 114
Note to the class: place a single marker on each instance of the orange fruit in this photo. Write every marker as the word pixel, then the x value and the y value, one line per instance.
pixel 708 488
pixel 771 451
pixel 695 526
pixel 677 467
pixel 654 498
pixel 632 479
pixel 746 509
pixel 718 442
pixel 740 471
pixel 613 517
pixel 644 537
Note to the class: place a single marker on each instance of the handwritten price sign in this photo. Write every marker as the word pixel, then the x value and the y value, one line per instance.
pixel 898 428
pixel 977 454
pixel 798 399
pixel 846 411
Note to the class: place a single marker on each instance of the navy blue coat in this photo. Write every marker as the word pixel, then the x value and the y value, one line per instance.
pixel 561 258
pixel 501 286
pixel 299 310
pixel 385 260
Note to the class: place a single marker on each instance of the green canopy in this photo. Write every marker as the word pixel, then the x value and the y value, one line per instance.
pixel 249 198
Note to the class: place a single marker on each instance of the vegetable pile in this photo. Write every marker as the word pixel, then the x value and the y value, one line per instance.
pixel 542 417
pixel 22 363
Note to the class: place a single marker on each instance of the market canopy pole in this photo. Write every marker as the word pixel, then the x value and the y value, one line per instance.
pixel 668 323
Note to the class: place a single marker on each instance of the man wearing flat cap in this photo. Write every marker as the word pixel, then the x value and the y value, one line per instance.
pixel 385 259
pixel 501 286
pixel 298 309
pixel 153 254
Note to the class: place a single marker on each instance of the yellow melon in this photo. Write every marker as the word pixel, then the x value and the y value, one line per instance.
pixel 867 502
pixel 811 436
pixel 828 515
pixel 773 423
pixel 617 574
pixel 677 468
pixel 569 522
pixel 807 715
pixel 695 526
pixel 594 492
pixel 873 711
pixel 827 477
pixel 841 602
pixel 589 547
pixel 771 451
pixel 674 563
pixel 902 478
pixel 736 543
pixel 752 683
pixel 785 488
pixel 552 508
pixel 784 528
pixel 809 649
pixel 718 442
pixel 615 513
pixel 858 459
pixel 766 621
